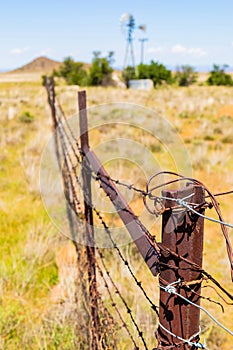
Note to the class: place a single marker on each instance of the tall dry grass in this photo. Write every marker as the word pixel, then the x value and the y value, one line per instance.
pixel 38 279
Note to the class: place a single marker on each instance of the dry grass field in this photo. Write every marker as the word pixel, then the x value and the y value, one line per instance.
pixel 32 283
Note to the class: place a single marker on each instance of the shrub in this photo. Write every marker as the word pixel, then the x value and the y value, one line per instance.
pixel 218 76
pixel 128 74
pixel 155 71
pixel 73 72
pixel 185 75
pixel 101 70
pixel 227 139
pixel 209 138
pixel 156 148
pixel 26 117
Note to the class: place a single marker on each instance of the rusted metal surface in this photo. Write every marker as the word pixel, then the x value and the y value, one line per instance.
pixel 50 87
pixel 90 248
pixel 182 232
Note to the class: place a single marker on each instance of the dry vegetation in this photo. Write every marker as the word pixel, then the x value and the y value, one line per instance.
pixel 36 301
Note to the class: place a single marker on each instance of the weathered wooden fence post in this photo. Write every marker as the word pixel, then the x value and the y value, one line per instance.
pixel 182 233
pixel 90 245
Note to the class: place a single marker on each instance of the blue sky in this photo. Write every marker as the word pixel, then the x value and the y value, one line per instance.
pixel 179 32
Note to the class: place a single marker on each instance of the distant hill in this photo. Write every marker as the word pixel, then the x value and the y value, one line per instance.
pixel 39 65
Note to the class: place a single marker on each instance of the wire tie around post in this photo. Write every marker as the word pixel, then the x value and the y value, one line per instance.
pixel 170 288
pixel 189 341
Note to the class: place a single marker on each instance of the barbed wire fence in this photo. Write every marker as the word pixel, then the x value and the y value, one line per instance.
pixel 177 259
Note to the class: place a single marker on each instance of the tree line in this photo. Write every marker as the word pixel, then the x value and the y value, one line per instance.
pixel 99 73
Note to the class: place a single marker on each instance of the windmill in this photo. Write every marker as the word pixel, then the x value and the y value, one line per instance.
pixel 128 27
pixel 142 41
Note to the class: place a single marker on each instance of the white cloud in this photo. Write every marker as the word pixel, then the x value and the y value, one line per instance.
pixel 18 51
pixel 197 51
pixel 44 52
pixel 178 49
pixel 194 51
pixel 157 49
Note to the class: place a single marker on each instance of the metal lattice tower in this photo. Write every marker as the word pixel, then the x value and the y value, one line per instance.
pixel 128 25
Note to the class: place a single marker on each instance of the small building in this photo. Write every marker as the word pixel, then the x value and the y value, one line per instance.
pixel 141 84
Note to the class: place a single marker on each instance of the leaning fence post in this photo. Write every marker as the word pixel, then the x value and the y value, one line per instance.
pixel 90 245
pixel 182 233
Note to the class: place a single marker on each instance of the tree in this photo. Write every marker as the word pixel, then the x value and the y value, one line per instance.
pixel 185 75
pixel 101 70
pixel 128 74
pixel 73 72
pixel 218 76
pixel 156 72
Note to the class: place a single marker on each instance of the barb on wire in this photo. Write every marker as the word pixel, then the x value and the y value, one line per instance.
pixel 119 182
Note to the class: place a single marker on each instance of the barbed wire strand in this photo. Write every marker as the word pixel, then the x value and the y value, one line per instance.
pixel 126 263
pixel 129 311
pixel 169 288
pixel 71 136
pixel 202 297
pixel 61 116
pixel 68 159
pixel 220 296
pixel 113 302
pixel 110 322
pixel 115 305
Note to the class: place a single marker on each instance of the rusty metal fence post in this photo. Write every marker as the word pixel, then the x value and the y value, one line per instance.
pixel 90 245
pixel 182 233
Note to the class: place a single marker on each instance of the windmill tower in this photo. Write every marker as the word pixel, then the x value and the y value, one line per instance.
pixel 128 27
